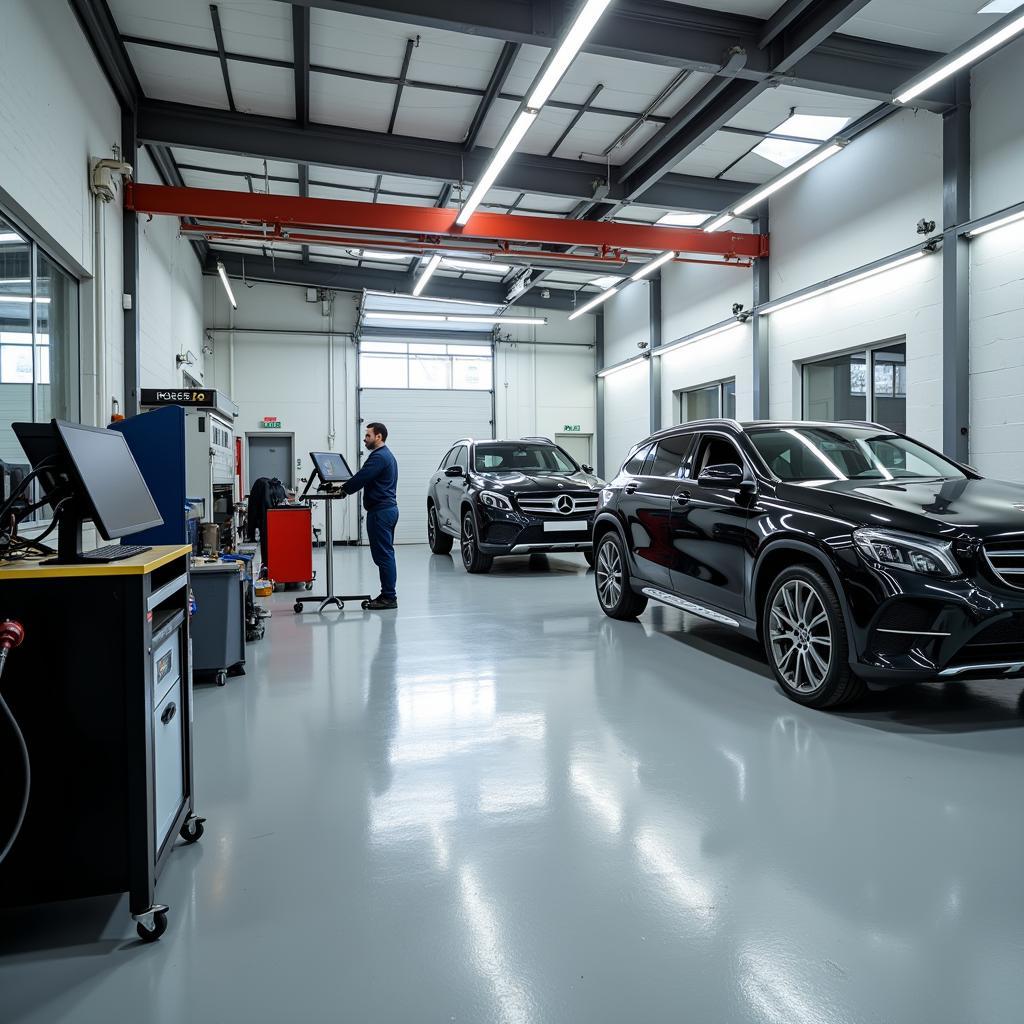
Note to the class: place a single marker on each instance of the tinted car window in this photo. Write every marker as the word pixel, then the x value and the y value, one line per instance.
pixel 518 457
pixel 448 459
pixel 461 458
pixel 715 451
pixel 669 456
pixel 636 462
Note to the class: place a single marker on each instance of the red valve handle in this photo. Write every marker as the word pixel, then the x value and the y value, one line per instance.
pixel 11 634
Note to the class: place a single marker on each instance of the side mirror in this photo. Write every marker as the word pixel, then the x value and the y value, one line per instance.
pixel 454 471
pixel 587 469
pixel 728 474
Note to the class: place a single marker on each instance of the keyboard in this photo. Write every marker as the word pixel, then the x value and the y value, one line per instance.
pixel 115 552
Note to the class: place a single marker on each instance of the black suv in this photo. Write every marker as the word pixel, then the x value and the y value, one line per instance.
pixel 510 498
pixel 856 555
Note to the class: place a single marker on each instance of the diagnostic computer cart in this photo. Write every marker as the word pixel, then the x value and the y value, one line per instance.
pixel 330 470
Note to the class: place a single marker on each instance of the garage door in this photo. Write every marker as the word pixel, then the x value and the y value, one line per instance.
pixel 421 427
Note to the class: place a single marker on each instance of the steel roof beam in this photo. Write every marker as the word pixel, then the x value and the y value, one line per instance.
pixel 101 31
pixel 317 274
pixel 220 131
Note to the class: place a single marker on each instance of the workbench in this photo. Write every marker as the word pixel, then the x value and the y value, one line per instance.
pixel 102 690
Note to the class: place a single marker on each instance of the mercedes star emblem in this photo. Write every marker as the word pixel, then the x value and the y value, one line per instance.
pixel 565 504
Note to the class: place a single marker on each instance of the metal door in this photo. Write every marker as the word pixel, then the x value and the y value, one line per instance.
pixel 577 445
pixel 271 456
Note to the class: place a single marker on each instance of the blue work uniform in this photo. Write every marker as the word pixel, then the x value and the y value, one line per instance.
pixel 378 480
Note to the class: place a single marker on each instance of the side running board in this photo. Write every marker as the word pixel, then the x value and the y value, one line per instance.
pixel 689 606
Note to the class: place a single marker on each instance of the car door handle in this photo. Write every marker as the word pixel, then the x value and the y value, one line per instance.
pixel 682 498
pixel 629 488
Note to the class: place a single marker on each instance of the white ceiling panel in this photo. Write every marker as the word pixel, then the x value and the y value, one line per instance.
pixel 340 176
pixel 428 114
pixel 453 58
pixel 497 120
pixel 204 179
pixel 716 154
pixel 412 186
pixel 182 77
pixel 229 162
pixel 280 252
pixel 186 21
pixel 773 106
pixel 549 204
pixel 595 132
pixel 322 192
pixel 255 28
pixel 753 168
pixel 349 103
pixel 546 131
pixel 261 90
pixel 928 24
pixel 356 44
pixel 750 8
pixel 407 200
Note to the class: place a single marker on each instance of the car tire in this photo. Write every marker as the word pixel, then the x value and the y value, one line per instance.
pixel 473 558
pixel 440 543
pixel 615 595
pixel 805 640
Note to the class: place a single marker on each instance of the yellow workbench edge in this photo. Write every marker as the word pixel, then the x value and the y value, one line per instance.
pixel 140 565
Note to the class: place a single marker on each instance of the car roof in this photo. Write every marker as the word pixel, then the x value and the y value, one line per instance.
pixel 735 427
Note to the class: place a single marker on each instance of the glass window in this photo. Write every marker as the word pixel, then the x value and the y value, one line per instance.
pixel 437 366
pixel 669 456
pixel 471 373
pixel 461 458
pixel 518 457
pixel 701 404
pixel 448 459
pixel 39 375
pixel 383 371
pixel 846 452
pixel 636 461
pixel 836 389
pixel 429 372
pixel 729 399
pixel 889 380
pixel 715 450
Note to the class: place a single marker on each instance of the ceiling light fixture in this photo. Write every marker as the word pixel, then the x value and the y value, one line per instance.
pixel 1010 218
pixel 227 284
pixel 595 301
pixel 479 266
pixel 796 171
pixel 774 307
pixel 650 268
pixel 454 318
pixel 719 222
pixel 1000 6
pixel 376 254
pixel 973 50
pixel 551 73
pixel 682 220
pixel 10 236
pixel 428 272
pixel 608 371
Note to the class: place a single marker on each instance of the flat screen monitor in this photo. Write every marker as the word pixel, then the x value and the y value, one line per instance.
pixel 333 468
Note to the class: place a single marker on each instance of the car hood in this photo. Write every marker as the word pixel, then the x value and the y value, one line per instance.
pixel 981 507
pixel 520 483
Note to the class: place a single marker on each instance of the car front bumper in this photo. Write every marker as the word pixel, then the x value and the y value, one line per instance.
pixel 518 533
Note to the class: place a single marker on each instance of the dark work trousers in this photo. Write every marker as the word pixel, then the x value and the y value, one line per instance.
pixel 380 530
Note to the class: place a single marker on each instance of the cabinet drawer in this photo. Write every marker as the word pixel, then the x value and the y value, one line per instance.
pixel 168 774
pixel 166 666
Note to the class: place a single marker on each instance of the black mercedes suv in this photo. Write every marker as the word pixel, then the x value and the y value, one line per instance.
pixel 857 556
pixel 510 498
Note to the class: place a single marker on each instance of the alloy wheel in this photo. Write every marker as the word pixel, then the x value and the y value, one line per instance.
pixel 801 636
pixel 609 574
pixel 432 526
pixel 468 540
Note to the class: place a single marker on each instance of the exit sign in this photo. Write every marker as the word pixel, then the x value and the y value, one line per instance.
pixel 571 428
pixel 270 423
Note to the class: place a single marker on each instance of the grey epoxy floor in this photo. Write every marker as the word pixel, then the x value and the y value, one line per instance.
pixel 497 805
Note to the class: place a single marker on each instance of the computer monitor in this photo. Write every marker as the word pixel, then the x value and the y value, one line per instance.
pixel 88 473
pixel 331 466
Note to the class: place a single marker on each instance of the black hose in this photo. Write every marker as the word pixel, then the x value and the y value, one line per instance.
pixel 25 761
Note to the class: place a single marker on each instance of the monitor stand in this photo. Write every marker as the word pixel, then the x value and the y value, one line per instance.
pixel 69 540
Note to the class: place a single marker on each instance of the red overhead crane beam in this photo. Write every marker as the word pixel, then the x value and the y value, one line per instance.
pixel 286 212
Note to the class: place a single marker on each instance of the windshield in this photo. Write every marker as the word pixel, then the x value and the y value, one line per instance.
pixel 847 453
pixel 517 457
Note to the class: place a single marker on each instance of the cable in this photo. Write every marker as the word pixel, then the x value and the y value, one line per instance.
pixel 11 635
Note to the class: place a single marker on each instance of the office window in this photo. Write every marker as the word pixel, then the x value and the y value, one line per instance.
pixel 707 402
pixel 427 365
pixel 39 376
pixel 841 387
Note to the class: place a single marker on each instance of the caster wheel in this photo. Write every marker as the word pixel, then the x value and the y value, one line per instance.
pixel 309 585
pixel 222 678
pixel 297 606
pixel 192 830
pixel 154 933
pixel 364 605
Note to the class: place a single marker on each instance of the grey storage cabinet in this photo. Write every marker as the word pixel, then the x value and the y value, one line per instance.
pixel 218 626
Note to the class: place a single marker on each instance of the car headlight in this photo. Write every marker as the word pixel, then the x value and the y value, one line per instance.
pixel 907 551
pixel 494 500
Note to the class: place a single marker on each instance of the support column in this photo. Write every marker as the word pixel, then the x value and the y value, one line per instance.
pixel 654 293
pixel 956 209
pixel 759 355
pixel 599 401
pixel 130 282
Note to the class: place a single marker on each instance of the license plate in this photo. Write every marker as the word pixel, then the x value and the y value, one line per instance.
pixel 570 527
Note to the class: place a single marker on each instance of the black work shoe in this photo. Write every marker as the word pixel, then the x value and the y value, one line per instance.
pixel 381 603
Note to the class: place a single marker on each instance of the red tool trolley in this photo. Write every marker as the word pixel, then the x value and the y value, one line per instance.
pixel 290 545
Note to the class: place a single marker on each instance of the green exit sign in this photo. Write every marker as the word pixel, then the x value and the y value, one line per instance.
pixel 571 428
pixel 270 423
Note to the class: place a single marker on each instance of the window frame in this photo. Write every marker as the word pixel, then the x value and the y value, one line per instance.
pixel 868 351
pixel 401 351
pixel 695 451
pixel 720 384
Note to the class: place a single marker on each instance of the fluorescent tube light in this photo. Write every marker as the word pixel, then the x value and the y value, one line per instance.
pixel 428 272
pixel 774 307
pixel 710 333
pixel 1000 6
pixel 22 298
pixel 1002 222
pixel 519 127
pixel 719 222
pixel 650 268
pixel 558 63
pixel 478 266
pixel 604 282
pixel 536 320
pixel 227 284
pixel 10 236
pixel 595 301
pixel 454 318
pixel 621 366
pixel 796 171
pixel 377 254
pixel 682 220
pixel 999 34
